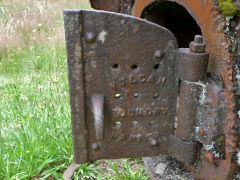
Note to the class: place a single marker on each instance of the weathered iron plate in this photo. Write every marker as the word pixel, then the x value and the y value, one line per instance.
pixel 131 62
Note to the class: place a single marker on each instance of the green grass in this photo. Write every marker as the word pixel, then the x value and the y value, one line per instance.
pixel 126 172
pixel 35 113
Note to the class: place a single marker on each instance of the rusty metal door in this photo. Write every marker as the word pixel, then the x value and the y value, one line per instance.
pixel 123 85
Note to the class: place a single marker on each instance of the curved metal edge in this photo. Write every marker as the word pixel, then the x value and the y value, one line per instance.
pixel 68 174
pixel 76 11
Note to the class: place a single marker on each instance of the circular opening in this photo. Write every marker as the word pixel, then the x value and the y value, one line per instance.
pixel 151 122
pixel 118 123
pixel 156 66
pixel 136 95
pixel 174 17
pixel 115 66
pixel 134 67
pixel 155 96
pixel 117 95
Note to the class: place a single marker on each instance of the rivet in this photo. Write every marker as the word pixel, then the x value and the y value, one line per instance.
pixel 153 142
pixel 90 37
pixel 158 54
pixel 95 146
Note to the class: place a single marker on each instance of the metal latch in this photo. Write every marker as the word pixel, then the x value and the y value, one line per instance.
pixel 123 85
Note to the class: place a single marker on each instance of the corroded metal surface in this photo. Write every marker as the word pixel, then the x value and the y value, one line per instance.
pixel 220 111
pixel 186 116
pixel 192 67
pixel 221 66
pixel 183 151
pixel 107 5
pixel 120 6
pixel 107 56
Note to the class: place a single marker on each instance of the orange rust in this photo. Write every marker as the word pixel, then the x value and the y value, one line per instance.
pixel 220 63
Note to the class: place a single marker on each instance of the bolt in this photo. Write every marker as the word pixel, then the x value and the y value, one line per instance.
pixel 90 37
pixel 154 142
pixel 198 39
pixel 158 54
pixel 197 46
pixel 95 146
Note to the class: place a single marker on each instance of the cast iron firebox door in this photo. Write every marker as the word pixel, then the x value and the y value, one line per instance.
pixel 123 85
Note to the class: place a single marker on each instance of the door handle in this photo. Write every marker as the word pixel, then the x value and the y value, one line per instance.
pixel 98 113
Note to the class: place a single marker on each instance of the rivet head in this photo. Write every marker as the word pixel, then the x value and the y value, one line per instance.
pixel 158 54
pixel 90 37
pixel 95 146
pixel 154 142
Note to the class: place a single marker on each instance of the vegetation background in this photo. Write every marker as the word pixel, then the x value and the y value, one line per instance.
pixel 35 128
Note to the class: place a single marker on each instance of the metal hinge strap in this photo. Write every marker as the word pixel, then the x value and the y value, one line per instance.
pixel 192 66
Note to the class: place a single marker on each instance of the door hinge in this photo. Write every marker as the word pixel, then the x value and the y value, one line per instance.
pixel 192 67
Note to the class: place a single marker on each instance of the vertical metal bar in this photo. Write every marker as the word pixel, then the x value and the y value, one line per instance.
pixel 186 114
pixel 192 64
pixel 74 32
